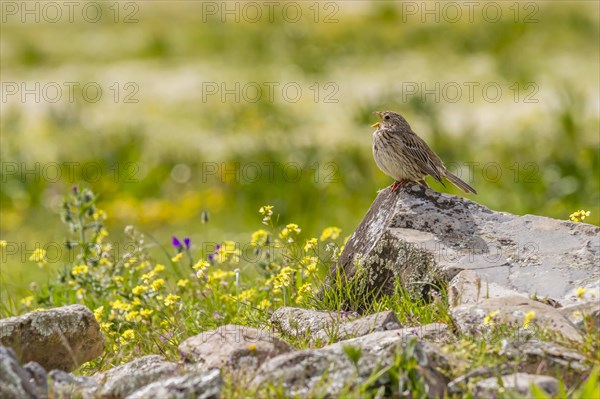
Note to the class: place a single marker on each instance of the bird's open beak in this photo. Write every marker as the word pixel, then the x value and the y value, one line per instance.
pixel 376 125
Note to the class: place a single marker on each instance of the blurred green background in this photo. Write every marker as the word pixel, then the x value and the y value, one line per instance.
pixel 226 106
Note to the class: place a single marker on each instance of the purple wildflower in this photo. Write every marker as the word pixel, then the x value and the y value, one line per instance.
pixel 175 242
pixel 74 189
pixel 217 315
pixel 187 242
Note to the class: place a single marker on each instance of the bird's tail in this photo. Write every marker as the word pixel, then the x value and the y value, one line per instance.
pixel 459 183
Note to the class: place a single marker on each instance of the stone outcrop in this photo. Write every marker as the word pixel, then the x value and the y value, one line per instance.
pixel 232 346
pixel 325 326
pixel 61 338
pixel 424 238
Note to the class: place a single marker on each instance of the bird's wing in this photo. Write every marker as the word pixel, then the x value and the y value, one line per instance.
pixel 422 155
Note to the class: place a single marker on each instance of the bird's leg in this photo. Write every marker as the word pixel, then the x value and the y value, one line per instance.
pixel 398 184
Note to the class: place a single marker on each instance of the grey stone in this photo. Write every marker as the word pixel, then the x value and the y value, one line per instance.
pixel 65 385
pixel 467 287
pixel 580 312
pixel 129 377
pixel 327 326
pixel 197 386
pixel 512 310
pixel 423 237
pixel 38 378
pixel 518 382
pixel 232 346
pixel 326 371
pixel 546 357
pixel 14 380
pixel 60 338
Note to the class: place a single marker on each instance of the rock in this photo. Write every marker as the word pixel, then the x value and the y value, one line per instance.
pixel 518 382
pixel 325 371
pixel 61 338
pixel 233 346
pixel 580 312
pixel 197 386
pixel 467 287
pixel 548 358
pixel 66 385
pixel 38 378
pixel 14 380
pixel 324 326
pixel 512 310
pixel 422 237
pixel 129 377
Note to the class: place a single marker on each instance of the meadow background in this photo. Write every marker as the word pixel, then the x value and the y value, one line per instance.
pixel 161 147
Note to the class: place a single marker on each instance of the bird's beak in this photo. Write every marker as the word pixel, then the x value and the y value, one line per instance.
pixel 376 125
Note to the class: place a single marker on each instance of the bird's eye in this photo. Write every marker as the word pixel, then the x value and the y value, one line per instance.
pixel 387 117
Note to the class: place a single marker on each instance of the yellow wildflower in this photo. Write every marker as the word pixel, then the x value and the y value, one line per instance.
pixel 201 265
pixel 259 237
pixel 133 315
pixel 330 232
pixel 148 276
pixel 219 275
pixel 99 214
pixel 252 347
pixel 288 231
pixel 139 289
pixel 580 293
pixel 579 216
pixel 177 257
pixel 136 302
pixel 98 313
pixel 310 244
pixel 80 270
pixel 264 304
pixel 158 268
pixel 171 300
pixel 146 312
pixel 105 326
pixel 183 282
pixel 27 301
pixel 490 318
pixel 127 336
pixel 39 256
pixel 302 291
pixel 129 262
pixel 247 295
pixel 157 284
pixel 528 317
pixel 102 234
pixel 267 212
pixel 120 305
pixel 284 278
pixel 229 251
pixel 117 279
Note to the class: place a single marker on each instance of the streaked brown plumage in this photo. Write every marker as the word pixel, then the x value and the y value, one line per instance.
pixel 403 155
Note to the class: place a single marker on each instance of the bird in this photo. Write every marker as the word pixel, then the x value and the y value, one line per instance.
pixel 401 154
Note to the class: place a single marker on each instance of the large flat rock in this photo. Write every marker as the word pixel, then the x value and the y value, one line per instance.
pixel 422 236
